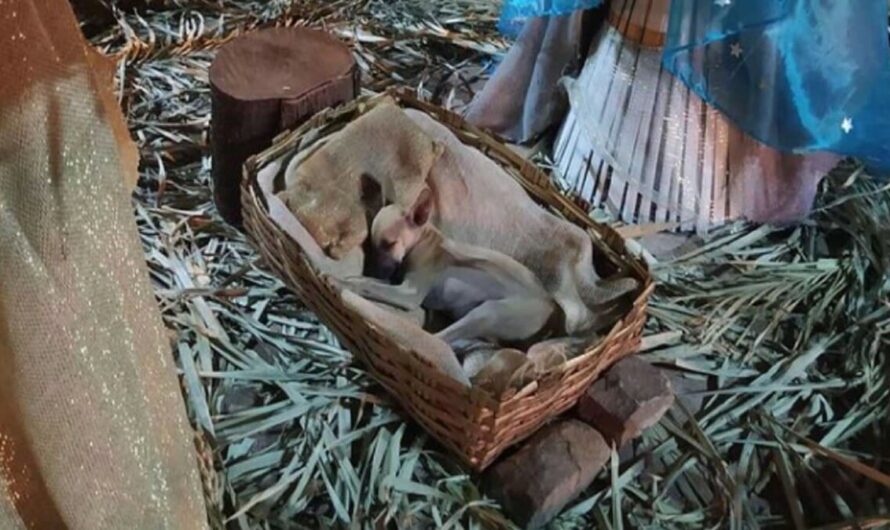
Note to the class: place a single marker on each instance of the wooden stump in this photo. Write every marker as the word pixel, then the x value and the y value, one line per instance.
pixel 266 82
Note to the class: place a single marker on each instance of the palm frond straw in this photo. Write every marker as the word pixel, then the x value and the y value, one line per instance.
pixel 783 332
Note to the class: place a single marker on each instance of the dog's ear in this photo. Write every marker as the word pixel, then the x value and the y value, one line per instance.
pixel 423 206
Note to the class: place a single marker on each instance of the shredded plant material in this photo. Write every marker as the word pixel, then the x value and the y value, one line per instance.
pixel 776 337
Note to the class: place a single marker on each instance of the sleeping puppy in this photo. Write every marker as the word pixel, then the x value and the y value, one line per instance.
pixel 488 294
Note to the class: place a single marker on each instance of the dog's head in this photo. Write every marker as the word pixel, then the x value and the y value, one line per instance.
pixel 395 231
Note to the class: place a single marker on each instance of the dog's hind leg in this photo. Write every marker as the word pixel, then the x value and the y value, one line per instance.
pixel 607 292
pixel 596 292
pixel 584 297
pixel 508 319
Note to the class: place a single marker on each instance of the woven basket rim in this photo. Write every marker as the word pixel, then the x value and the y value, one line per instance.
pixel 599 233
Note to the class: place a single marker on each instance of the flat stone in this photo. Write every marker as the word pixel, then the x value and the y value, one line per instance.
pixel 238 397
pixel 553 467
pixel 631 397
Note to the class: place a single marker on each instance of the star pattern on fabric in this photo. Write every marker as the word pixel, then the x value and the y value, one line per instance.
pixel 735 49
pixel 847 125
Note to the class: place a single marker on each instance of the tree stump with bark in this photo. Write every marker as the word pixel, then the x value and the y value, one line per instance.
pixel 266 82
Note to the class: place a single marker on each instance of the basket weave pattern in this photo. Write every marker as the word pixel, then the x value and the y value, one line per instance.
pixel 469 422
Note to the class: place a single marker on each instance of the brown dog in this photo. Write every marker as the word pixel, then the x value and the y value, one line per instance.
pixel 324 188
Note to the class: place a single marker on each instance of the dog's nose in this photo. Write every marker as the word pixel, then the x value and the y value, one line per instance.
pixel 385 268
pixel 398 275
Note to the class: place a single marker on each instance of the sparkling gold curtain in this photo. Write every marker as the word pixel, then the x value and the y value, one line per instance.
pixel 93 432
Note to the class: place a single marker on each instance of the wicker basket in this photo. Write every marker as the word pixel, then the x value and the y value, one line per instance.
pixel 468 421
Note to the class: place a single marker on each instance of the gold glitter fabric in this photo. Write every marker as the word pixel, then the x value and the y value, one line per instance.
pixel 93 432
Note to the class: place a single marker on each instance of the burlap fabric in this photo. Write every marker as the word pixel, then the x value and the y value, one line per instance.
pixel 93 433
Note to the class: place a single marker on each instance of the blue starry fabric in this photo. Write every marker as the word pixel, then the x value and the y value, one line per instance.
pixel 798 75
pixel 515 12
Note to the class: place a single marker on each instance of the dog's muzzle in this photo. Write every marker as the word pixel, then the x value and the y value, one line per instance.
pixel 386 268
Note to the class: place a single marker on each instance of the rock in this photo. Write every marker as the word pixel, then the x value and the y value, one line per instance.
pixel 558 463
pixel 631 397
pixel 238 397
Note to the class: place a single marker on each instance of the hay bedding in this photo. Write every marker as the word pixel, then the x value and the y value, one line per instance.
pixel 781 334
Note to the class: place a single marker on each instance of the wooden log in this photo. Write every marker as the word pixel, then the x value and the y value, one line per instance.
pixel 266 82
pixel 550 470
